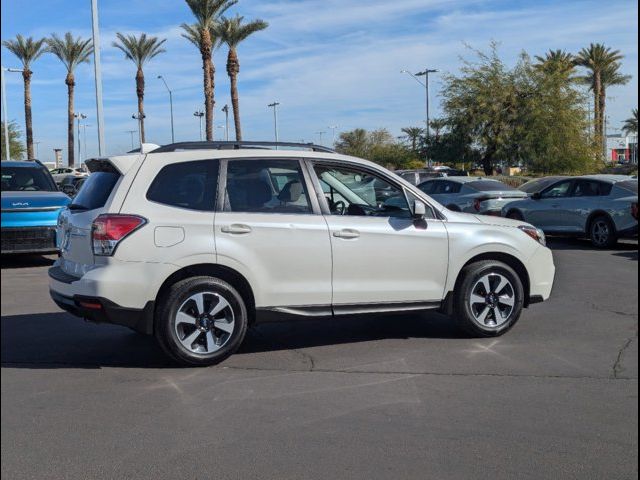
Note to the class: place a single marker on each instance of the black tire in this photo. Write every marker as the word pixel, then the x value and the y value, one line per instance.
pixel 462 310
pixel 515 215
pixel 175 297
pixel 602 232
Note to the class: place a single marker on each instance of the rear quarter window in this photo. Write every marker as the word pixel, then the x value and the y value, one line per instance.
pixel 629 185
pixel 96 190
pixel 190 185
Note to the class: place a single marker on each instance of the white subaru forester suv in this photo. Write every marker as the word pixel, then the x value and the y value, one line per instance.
pixel 195 242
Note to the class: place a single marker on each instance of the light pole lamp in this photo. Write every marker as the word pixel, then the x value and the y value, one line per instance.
pixel 199 114
pixel 274 105
pixel 173 139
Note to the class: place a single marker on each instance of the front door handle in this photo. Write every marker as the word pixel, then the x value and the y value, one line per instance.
pixel 347 233
pixel 236 228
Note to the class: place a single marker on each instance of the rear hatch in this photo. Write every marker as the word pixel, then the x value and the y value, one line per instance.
pixel 31 209
pixel 74 224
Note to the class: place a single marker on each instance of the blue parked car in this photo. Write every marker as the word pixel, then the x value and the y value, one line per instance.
pixel 31 203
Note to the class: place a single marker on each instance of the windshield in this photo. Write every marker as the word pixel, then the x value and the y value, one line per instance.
pixel 490 186
pixel 26 179
pixel 629 185
pixel 538 185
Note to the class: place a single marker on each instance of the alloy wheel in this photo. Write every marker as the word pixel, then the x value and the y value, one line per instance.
pixel 600 232
pixel 492 301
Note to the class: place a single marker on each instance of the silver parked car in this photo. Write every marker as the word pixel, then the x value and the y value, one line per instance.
pixel 602 207
pixel 478 195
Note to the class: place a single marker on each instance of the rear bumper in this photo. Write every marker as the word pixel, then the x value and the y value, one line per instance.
pixel 101 310
pixel 28 239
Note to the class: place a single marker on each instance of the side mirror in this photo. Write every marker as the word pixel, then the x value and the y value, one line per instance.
pixel 536 196
pixel 69 190
pixel 419 209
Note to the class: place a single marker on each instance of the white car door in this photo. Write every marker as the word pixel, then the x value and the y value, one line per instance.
pixel 270 229
pixel 381 255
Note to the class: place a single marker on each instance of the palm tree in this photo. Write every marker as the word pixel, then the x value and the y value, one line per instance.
pixel 232 32
pixel 193 33
pixel 71 52
pixel 603 65
pixel 631 123
pixel 412 134
pixel 556 62
pixel 27 50
pixel 206 13
pixel 140 50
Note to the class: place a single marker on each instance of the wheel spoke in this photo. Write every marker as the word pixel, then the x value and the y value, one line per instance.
pixel 199 299
pixel 221 305
pixel 189 339
pixel 497 315
pixel 211 342
pixel 502 285
pixel 185 318
pixel 475 298
pixel 223 325
pixel 487 285
pixel 507 300
pixel 483 316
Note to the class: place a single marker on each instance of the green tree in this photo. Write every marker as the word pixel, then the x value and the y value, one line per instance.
pixel 16 147
pixel 232 31
pixel 139 50
pixel 378 146
pixel 206 13
pixel 27 50
pixel 354 142
pixel 631 124
pixel 71 52
pixel 603 67
pixel 556 62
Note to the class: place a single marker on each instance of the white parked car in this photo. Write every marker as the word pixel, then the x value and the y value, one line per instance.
pixel 59 174
pixel 195 242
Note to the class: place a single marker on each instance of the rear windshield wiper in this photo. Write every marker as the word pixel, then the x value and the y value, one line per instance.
pixel 76 206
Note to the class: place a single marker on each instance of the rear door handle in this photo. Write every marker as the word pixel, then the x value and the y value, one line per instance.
pixel 347 233
pixel 236 228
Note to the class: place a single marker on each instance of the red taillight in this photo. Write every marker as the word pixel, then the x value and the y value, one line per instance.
pixel 634 210
pixel 109 229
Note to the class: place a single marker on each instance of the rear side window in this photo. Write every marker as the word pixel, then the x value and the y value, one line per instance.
pixel 96 190
pixel 629 185
pixel 490 186
pixel 591 188
pixel 445 188
pixel 190 185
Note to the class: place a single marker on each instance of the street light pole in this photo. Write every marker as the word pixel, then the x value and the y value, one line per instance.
pixel 131 132
pixel 139 117
pixel 225 109
pixel 199 114
pixel 320 134
pixel 80 117
pixel 274 105
pixel 98 75
pixel 425 84
pixel 84 138
pixel 333 129
pixel 7 155
pixel 170 105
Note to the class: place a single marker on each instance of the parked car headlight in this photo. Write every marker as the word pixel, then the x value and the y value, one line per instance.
pixel 535 233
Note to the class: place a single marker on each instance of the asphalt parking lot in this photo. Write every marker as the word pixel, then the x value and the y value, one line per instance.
pixel 385 397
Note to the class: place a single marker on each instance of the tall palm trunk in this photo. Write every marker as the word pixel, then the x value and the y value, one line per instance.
pixel 140 93
pixel 597 118
pixel 26 76
pixel 601 111
pixel 70 81
pixel 207 71
pixel 233 68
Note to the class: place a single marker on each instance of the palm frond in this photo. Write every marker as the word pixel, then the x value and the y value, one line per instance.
pixel 232 31
pixel 71 51
pixel 139 49
pixel 26 49
pixel 206 12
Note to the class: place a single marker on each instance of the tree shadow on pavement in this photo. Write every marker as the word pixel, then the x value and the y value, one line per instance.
pixel 59 340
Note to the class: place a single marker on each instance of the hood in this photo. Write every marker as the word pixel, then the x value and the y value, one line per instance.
pixel 33 200
pixel 499 221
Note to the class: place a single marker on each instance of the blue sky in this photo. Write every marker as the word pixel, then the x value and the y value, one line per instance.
pixel 328 62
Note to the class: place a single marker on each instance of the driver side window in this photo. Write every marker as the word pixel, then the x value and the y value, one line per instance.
pixel 359 193
pixel 559 190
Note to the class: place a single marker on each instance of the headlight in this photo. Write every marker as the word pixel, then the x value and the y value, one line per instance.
pixel 535 233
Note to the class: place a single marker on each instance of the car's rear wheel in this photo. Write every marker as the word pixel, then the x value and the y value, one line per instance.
pixel 602 232
pixel 489 299
pixel 201 321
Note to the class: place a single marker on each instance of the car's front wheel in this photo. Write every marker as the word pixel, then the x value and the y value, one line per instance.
pixel 201 321
pixel 602 232
pixel 489 299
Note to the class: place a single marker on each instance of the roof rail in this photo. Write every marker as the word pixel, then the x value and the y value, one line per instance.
pixel 230 145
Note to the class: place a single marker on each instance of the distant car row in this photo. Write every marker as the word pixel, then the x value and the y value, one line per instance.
pixel 603 208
